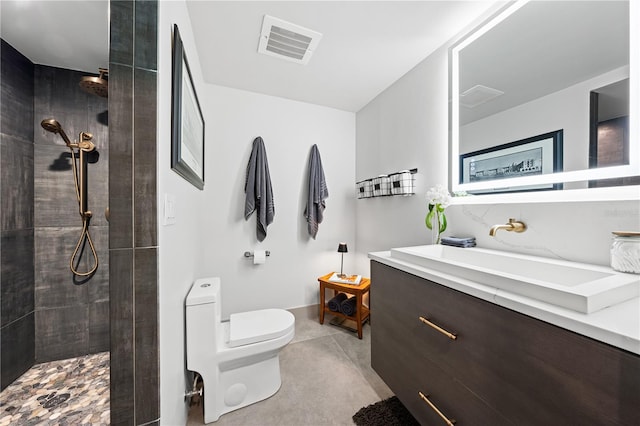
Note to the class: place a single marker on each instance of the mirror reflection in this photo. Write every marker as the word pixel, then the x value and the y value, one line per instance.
pixel 560 66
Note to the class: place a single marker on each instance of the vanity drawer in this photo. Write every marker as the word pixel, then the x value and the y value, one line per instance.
pixel 529 371
pixel 409 373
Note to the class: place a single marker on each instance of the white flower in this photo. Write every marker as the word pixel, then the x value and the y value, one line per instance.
pixel 439 195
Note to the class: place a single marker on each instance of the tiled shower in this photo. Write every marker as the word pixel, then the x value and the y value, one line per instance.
pixel 48 313
pixel 45 315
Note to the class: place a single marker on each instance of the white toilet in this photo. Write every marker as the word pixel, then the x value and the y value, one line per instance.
pixel 237 359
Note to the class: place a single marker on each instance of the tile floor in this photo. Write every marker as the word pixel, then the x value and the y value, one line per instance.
pixel 73 391
pixel 326 378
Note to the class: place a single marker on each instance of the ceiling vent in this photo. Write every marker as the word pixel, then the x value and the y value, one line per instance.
pixel 287 41
pixel 478 95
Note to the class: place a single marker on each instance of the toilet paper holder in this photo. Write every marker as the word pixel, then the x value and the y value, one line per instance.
pixel 250 253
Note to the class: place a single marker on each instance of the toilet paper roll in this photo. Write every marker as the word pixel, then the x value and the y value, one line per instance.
pixel 259 257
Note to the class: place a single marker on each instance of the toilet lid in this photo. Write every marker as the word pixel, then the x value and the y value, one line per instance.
pixel 256 326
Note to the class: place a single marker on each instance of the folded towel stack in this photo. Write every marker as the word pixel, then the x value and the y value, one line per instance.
pixel 458 241
pixel 348 306
pixel 336 301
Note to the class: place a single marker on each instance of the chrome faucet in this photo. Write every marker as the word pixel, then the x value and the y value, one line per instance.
pixel 513 225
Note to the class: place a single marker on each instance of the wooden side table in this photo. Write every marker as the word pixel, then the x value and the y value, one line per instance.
pixel 362 312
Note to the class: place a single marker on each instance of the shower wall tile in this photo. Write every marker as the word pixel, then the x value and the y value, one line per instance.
pixel 122 336
pixel 146 335
pixel 145 202
pixel 16 89
pixel 146 29
pixel 122 24
pixel 54 283
pixel 16 171
pixel 99 327
pixel 121 156
pixel 54 189
pixel 62 333
pixel 16 278
pixel 58 96
pixel 19 337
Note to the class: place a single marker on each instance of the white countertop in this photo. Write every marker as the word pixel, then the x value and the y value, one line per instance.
pixel 617 325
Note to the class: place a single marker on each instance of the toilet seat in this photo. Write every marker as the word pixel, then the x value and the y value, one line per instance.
pixel 257 326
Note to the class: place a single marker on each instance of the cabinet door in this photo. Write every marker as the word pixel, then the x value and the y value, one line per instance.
pixel 530 371
pixel 398 356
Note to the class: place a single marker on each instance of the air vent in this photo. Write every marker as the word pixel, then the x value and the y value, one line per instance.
pixel 287 41
pixel 478 95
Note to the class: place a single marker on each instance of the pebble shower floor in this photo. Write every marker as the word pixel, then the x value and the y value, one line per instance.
pixel 72 391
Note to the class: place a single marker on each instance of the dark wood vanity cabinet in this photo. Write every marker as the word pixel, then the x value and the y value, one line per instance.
pixel 496 366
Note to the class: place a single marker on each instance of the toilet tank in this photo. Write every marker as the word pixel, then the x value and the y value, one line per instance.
pixel 202 307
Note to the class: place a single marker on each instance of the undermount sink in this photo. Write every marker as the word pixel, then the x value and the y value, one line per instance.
pixel 577 286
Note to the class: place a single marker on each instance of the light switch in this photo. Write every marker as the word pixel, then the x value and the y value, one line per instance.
pixel 169 209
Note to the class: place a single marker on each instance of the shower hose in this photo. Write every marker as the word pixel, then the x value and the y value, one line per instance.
pixel 86 217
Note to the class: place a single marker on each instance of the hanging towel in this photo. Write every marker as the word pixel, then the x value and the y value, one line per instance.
pixel 317 192
pixel 257 187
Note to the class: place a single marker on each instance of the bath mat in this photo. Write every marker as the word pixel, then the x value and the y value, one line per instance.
pixel 389 412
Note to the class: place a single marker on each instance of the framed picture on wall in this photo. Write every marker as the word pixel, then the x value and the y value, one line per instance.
pixel 187 123
pixel 537 155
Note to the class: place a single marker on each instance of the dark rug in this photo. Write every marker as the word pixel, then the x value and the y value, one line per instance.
pixel 389 412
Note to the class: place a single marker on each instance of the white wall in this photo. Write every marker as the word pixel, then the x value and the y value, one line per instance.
pixel 402 128
pixel 180 245
pixel 211 235
pixel 406 126
pixel 289 129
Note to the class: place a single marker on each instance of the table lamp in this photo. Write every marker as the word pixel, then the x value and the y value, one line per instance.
pixel 342 249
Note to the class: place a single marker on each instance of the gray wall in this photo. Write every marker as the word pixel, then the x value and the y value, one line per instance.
pixel 72 314
pixel 133 246
pixel 17 319
pixel 47 313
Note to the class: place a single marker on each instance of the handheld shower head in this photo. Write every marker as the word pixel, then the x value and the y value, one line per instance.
pixel 52 125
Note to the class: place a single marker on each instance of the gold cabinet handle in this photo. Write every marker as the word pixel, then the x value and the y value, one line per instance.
pixel 451 336
pixel 434 408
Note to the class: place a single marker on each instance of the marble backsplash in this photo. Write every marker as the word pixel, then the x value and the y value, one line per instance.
pixel 575 231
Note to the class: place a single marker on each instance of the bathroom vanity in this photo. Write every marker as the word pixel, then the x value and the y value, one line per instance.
pixel 449 351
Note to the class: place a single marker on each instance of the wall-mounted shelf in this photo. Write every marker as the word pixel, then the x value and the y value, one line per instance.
pixel 398 183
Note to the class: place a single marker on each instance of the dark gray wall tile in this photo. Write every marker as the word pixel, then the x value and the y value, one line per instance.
pixel 55 197
pixel 54 284
pixel 18 337
pixel 121 156
pixel 16 171
pixel 16 93
pixel 16 278
pixel 122 335
pixel 58 96
pixel 121 31
pixel 145 203
pixel 62 333
pixel 146 335
pixel 99 327
pixel 146 30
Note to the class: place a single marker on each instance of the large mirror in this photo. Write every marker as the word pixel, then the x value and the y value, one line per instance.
pixel 526 88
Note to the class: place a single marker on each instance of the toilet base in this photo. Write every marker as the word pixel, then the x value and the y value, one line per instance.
pixel 240 386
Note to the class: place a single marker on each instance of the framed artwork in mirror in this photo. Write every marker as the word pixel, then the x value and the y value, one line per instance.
pixel 187 122
pixel 537 155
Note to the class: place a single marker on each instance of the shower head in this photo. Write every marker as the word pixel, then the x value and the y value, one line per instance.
pixel 52 125
pixel 96 85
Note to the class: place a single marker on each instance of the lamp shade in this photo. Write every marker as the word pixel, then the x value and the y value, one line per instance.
pixel 342 248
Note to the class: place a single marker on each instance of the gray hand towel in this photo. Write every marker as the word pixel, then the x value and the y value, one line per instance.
pixel 317 193
pixel 257 187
